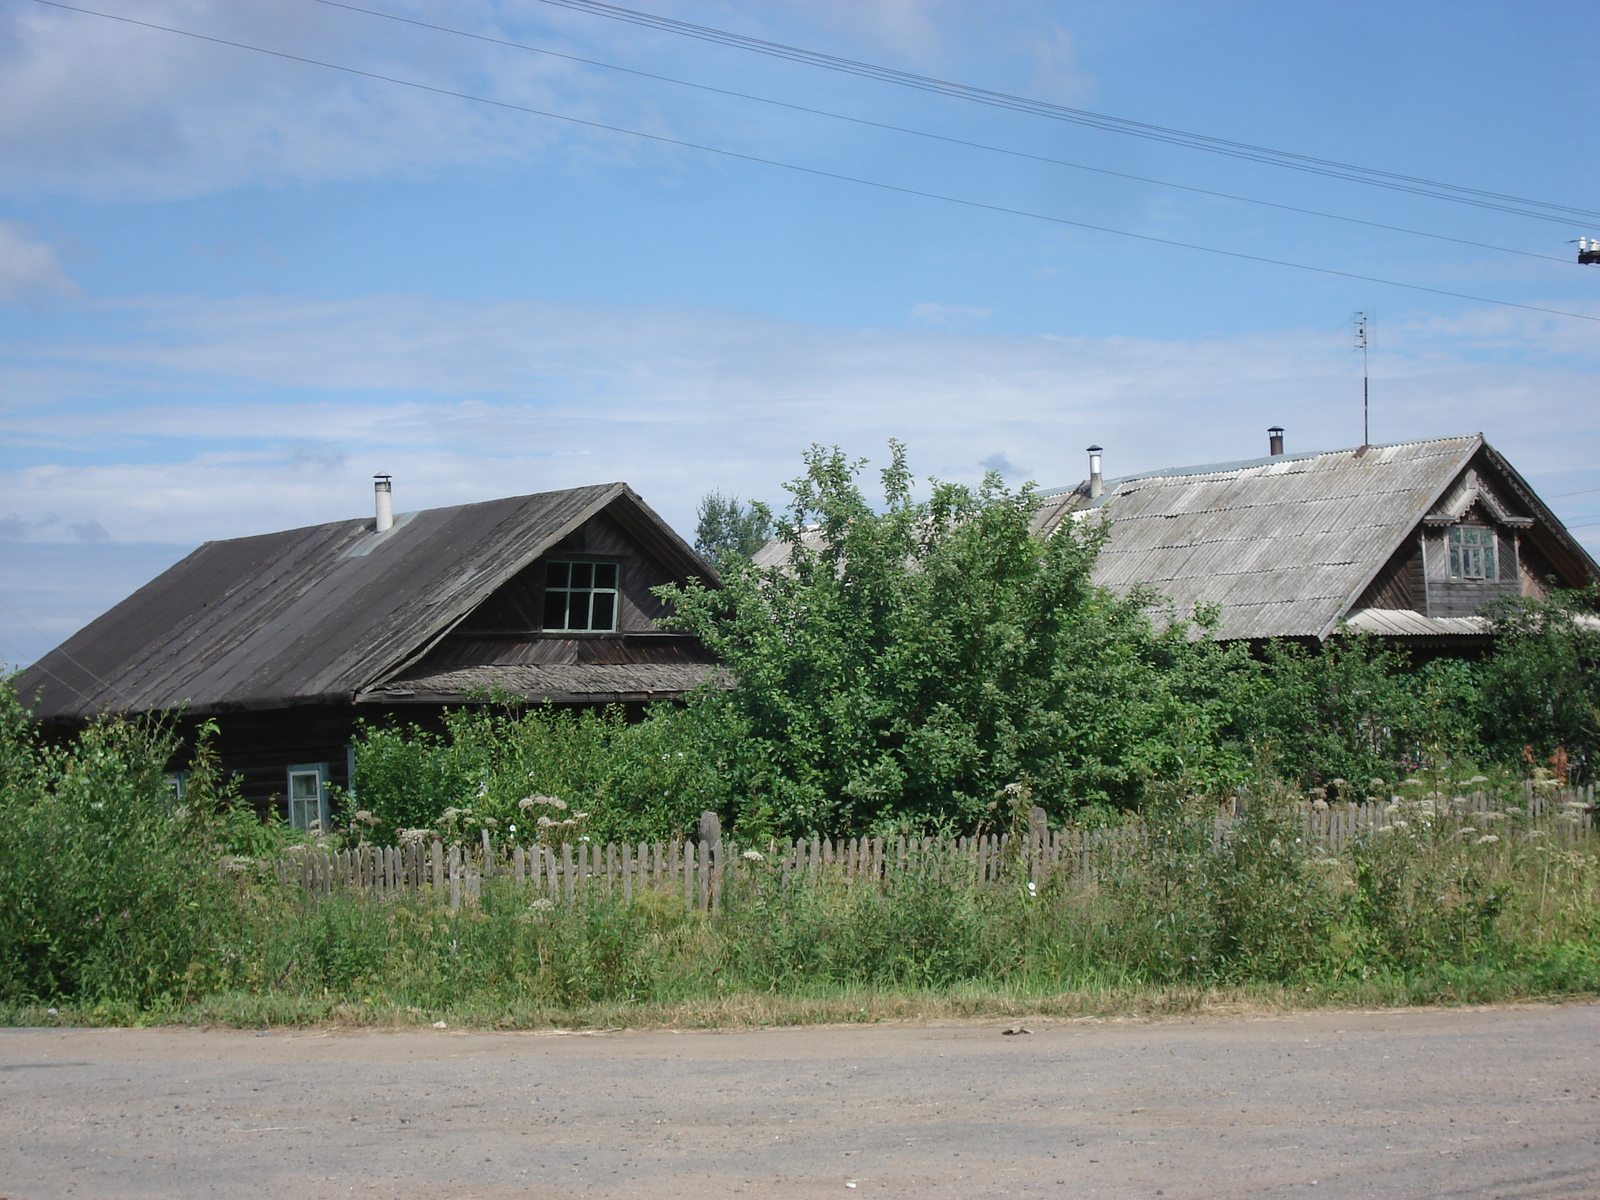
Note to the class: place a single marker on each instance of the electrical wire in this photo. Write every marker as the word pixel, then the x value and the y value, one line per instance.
pixel 939 137
pixel 1178 137
pixel 58 650
pixel 819 173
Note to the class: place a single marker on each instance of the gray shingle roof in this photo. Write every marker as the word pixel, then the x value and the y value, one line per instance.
pixel 319 614
pixel 1285 545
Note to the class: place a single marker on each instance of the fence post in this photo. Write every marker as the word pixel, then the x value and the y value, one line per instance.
pixel 455 878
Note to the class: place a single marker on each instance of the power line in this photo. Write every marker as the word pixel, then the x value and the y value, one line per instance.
pixel 1178 137
pixel 819 172
pixel 102 682
pixel 923 133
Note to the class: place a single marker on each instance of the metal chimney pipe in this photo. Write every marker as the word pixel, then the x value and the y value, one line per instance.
pixel 1275 440
pixel 383 499
pixel 1097 483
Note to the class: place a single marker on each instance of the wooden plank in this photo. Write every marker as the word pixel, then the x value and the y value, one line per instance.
pixel 455 878
pixel 566 871
pixel 703 882
pixel 686 858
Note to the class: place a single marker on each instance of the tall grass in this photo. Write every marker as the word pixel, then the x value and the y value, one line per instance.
pixel 118 903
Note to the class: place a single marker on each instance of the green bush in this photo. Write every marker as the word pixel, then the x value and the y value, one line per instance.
pixel 643 780
pixel 108 885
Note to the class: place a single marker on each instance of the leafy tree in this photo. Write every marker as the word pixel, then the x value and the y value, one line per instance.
pixel 1541 686
pixel 907 663
pixel 726 530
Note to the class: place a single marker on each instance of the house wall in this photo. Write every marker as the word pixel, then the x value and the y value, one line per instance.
pixel 518 607
pixel 1400 583
pixel 1447 597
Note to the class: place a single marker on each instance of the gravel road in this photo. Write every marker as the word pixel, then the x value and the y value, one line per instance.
pixel 1418 1103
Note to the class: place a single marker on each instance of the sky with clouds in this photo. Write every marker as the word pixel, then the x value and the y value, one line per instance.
pixel 234 284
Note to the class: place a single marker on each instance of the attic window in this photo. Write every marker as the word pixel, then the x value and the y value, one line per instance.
pixel 580 596
pixel 1472 552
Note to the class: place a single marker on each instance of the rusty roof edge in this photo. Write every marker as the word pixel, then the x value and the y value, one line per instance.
pixel 455 614
pixel 1477 443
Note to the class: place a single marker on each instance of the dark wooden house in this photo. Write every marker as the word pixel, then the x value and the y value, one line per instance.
pixel 1408 541
pixel 286 639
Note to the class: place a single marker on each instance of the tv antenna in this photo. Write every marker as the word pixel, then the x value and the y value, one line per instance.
pixel 1589 251
pixel 1361 342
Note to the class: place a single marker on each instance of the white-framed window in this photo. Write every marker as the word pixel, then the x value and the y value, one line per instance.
pixel 581 595
pixel 177 782
pixel 1472 550
pixel 308 795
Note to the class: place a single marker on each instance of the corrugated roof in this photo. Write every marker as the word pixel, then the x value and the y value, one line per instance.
pixel 316 615
pixel 1285 544
pixel 1407 623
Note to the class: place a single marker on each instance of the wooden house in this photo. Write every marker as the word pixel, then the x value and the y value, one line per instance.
pixel 1407 541
pixel 286 639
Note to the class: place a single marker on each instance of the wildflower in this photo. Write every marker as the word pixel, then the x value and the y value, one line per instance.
pixel 543 905
pixel 1376 785
pixel 491 823
pixel 1487 839
pixel 1320 805
pixel 1466 829
pixel 1533 833
pixel 753 855
pixel 1479 779
pixel 1032 891
pixel 363 817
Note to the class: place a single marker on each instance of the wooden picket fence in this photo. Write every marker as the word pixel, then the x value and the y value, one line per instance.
pixel 700 870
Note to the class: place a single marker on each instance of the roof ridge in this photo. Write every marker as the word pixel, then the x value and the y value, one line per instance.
pixel 1219 468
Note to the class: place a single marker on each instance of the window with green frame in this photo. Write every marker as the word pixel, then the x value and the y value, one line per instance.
pixel 1472 550
pixel 581 596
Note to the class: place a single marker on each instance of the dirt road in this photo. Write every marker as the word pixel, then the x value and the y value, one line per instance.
pixel 1392 1104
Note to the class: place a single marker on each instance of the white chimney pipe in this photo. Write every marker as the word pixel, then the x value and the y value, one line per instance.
pixel 383 498
pixel 1097 483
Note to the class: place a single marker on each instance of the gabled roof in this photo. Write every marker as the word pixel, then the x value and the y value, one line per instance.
pixel 1286 545
pixel 319 614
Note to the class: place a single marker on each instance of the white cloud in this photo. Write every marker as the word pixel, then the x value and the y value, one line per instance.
pixel 265 413
pixel 954 317
pixel 112 109
pixel 29 269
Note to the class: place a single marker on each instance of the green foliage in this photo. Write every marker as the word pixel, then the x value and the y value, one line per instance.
pixel 1356 710
pixel 108 887
pixel 911 661
pixel 1542 685
pixel 644 780
pixel 1223 905
pixel 727 531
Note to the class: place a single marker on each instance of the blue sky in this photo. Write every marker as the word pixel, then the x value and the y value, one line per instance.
pixel 233 286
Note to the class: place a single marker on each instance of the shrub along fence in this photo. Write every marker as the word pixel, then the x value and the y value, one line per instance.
pixel 699 869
